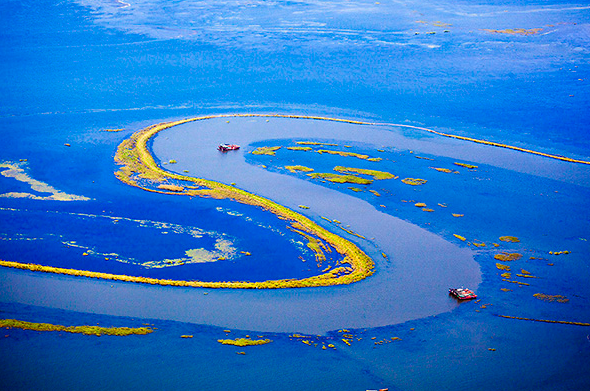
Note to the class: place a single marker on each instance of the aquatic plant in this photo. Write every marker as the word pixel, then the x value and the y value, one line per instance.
pixel 265 151
pixel 420 204
pixel 349 154
pixel 300 148
pixel 505 257
pixel 545 320
pixel 517 31
pixel 377 175
pixel 414 181
pixel 336 178
pixel 470 166
pixel 461 238
pixel 501 266
pixel 244 342
pixel 510 239
pixel 294 169
pixel 447 170
pixel 316 143
pixel 375 192
pixel 551 298
pixel 86 330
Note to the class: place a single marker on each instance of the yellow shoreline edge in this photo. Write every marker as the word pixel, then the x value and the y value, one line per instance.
pixel 86 330
pixel 135 158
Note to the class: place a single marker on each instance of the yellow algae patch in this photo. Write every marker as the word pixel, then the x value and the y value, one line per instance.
pixel 16 171
pixel 355 189
pixel 502 267
pixel 375 192
pixel 377 175
pixel 558 252
pixel 414 181
pixel 86 330
pixel 545 320
pixel 244 341
pixel 113 130
pixel 457 215
pixel 265 151
pixel 428 210
pixel 506 275
pixel 515 31
pixel 505 290
pixel 505 257
pixel 298 168
pixel 349 154
pixel 470 166
pixel 336 178
pixel 448 170
pixel 476 244
pixel 299 148
pixel 420 204
pixel 551 298
pixel 171 187
pixel 316 143
pixel 462 238
pixel 510 239
pixel 314 245
pixel 303 206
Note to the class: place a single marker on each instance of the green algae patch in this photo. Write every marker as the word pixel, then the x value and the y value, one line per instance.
pixel 336 178
pixel 265 151
pixel 470 166
pixel 244 342
pixel 86 330
pixel 509 239
pixel 377 175
pixel 551 298
pixel 300 148
pixel 295 169
pixel 414 181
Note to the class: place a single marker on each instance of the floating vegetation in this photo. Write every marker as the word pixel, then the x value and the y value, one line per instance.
pixel 505 290
pixel 300 148
pixel 420 204
pixel 501 266
pixel 113 130
pixel 423 158
pixel 457 215
pixel 377 175
pixel 427 209
pixel 17 171
pixel 86 330
pixel 303 206
pixel 295 169
pixel 470 166
pixel 265 151
pixel 171 187
pixel 186 336
pixel 551 298
pixel 558 252
pixel 461 238
pixel 510 239
pixel 505 257
pixel 336 178
pixel 375 192
pixel 349 154
pixel 355 189
pixel 414 181
pixel 316 143
pixel 545 320
pixel 515 31
pixel 506 275
pixel 447 170
pixel 172 161
pixel 244 342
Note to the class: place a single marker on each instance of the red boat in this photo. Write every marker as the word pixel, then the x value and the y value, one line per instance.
pixel 228 147
pixel 462 293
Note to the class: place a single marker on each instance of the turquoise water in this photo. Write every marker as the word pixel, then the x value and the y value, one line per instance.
pixel 72 69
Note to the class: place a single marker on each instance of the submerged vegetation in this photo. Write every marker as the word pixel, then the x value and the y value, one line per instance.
pixel 86 330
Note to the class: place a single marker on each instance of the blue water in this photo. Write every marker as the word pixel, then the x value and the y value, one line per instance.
pixel 71 69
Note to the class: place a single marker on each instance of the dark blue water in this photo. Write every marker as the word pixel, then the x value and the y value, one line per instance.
pixel 70 69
